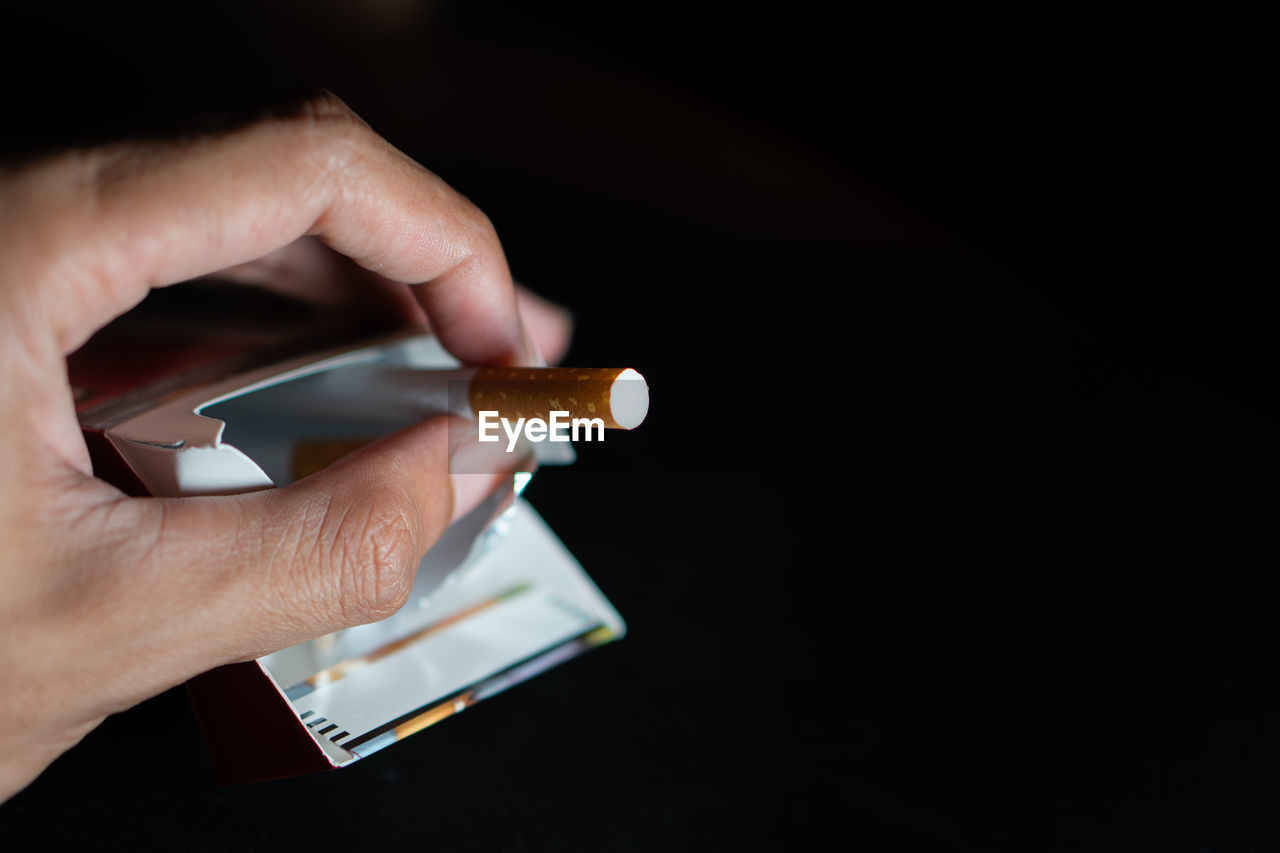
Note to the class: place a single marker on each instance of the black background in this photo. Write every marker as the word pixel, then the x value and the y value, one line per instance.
pixel 983 558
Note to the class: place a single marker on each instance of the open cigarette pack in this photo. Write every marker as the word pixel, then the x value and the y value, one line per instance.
pixel 218 397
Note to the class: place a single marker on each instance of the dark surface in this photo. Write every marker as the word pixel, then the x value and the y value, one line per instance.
pixel 1002 576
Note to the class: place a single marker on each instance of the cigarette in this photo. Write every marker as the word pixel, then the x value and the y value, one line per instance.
pixel 618 396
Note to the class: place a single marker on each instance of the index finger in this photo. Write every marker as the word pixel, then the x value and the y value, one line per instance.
pixel 124 219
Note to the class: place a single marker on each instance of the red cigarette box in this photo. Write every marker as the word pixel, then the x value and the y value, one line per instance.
pixel 179 399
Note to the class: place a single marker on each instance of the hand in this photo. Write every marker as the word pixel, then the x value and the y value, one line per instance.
pixel 106 600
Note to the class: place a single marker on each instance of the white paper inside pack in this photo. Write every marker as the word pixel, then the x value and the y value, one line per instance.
pixel 495 601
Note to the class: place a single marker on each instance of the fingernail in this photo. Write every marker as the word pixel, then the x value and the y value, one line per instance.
pixel 478 468
pixel 530 353
pixel 470 490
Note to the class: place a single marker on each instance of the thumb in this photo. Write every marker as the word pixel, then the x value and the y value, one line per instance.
pixel 336 549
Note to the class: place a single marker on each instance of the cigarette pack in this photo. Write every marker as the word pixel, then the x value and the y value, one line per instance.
pixel 207 390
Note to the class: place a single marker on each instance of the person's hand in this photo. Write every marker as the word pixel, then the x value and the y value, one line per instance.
pixel 106 600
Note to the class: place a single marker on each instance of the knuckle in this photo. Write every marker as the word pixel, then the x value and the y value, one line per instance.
pixel 472 241
pixel 325 106
pixel 42 213
pixel 63 233
pixel 480 229
pixel 331 142
pixel 374 555
pixel 327 127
